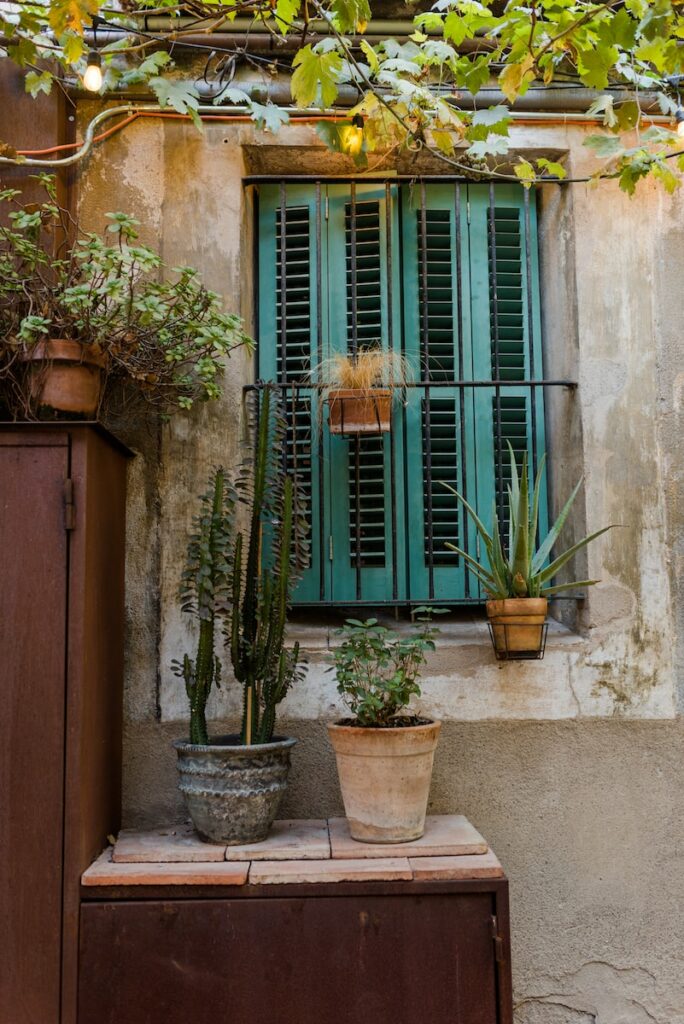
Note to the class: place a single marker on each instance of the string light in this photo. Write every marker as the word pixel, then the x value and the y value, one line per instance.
pixel 92 79
pixel 352 136
pixel 679 119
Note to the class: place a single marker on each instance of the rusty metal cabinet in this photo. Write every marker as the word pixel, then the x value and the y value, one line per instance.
pixel 342 953
pixel 62 514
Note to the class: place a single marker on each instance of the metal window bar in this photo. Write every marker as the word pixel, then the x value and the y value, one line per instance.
pixel 427 380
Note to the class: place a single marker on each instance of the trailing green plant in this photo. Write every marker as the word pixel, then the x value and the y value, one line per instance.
pixel 266 563
pixel 521 569
pixel 377 669
pixel 204 591
pixel 160 329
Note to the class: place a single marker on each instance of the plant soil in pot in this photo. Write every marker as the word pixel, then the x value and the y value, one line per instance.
pixel 359 411
pixel 65 375
pixel 517 625
pixel 233 791
pixel 385 778
pixel 233 784
pixel 384 758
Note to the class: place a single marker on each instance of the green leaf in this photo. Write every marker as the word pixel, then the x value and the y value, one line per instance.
pixel 180 96
pixel 604 105
pixel 370 55
pixel 515 78
pixel 268 117
pixel 525 171
pixel 350 14
pixel 315 79
pixel 551 167
pixel 594 65
pixel 628 115
pixel 36 83
pixel 558 563
pixel 604 145
pixel 492 115
pixel 285 13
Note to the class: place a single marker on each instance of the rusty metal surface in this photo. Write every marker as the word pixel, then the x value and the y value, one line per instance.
pixel 33 544
pixel 365 959
pixel 62 513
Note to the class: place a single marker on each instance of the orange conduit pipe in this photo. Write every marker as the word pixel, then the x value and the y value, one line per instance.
pixel 307 119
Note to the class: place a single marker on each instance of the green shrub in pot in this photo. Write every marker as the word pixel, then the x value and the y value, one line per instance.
pixel 384 758
pixel 82 313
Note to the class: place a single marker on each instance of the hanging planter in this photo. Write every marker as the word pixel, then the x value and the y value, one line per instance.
pixel 360 411
pixel 516 580
pixel 518 627
pixel 359 389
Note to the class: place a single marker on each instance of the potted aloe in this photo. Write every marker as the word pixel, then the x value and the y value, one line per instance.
pixel 233 784
pixel 517 574
pixel 384 753
pixel 358 388
pixel 81 313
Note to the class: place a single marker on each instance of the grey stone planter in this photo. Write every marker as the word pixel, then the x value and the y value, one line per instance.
pixel 232 791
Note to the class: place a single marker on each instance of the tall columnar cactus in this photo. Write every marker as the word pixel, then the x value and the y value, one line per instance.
pixel 262 582
pixel 205 588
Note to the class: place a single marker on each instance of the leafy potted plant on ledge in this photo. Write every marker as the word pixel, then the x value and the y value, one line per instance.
pixel 384 757
pixel 233 784
pixel 358 388
pixel 82 312
pixel 516 579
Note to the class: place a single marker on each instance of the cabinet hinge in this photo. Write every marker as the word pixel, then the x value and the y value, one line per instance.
pixel 468 211
pixel 330 548
pixel 498 942
pixel 69 507
pixel 327 208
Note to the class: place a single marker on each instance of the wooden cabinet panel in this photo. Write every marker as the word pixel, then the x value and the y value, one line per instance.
pixel 61 638
pixel 358 959
pixel 33 581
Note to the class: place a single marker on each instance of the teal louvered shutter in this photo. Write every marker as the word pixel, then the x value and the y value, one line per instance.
pixel 505 307
pixel 463 306
pixel 439 419
pixel 367 527
pixel 289 345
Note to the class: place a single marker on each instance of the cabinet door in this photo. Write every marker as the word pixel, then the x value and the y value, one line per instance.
pixel 33 574
pixel 400 959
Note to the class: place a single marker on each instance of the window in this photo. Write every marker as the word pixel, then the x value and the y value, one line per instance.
pixel 446 274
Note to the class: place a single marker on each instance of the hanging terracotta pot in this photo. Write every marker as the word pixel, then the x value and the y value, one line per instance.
pixel 517 626
pixel 360 410
pixel 66 376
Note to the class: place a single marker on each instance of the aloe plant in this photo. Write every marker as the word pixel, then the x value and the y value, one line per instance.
pixel 522 571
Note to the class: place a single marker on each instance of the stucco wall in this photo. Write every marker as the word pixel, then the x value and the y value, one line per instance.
pixel 569 766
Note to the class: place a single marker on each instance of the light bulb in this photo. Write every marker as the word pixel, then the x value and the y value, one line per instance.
pixel 352 136
pixel 92 79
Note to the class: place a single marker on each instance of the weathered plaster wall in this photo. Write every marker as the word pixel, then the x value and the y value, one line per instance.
pixel 570 766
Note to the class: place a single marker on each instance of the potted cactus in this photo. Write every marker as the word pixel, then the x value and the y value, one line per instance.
pixel 233 784
pixel 384 757
pixel 517 574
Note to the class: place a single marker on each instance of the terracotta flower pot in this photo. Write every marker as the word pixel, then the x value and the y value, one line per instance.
pixel 360 410
pixel 385 779
pixel 66 375
pixel 517 625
